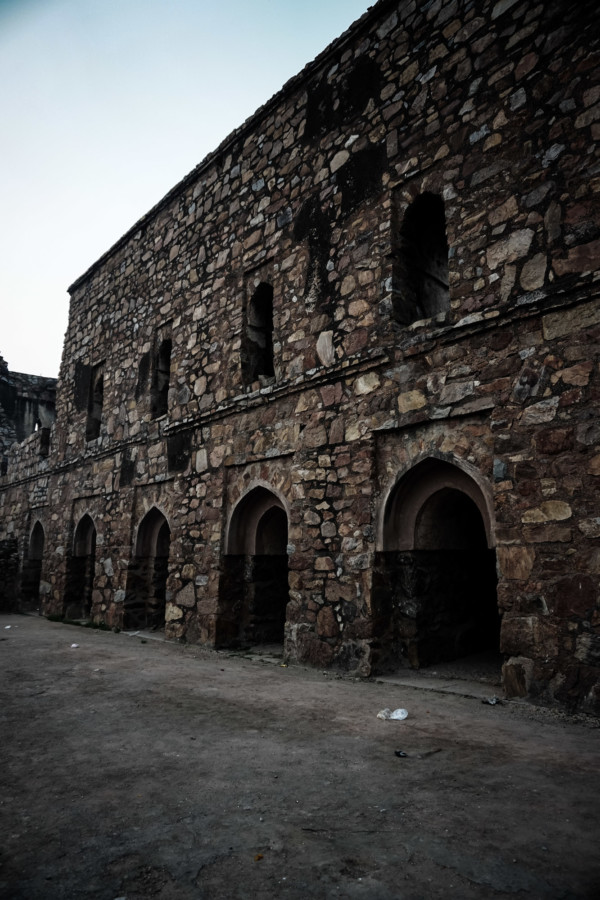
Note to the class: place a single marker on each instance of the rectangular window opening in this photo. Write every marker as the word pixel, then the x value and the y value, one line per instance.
pixel 95 403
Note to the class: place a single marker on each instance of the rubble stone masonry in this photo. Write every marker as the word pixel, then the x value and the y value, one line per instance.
pixel 339 389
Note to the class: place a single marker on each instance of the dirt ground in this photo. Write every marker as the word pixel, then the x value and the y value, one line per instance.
pixel 133 768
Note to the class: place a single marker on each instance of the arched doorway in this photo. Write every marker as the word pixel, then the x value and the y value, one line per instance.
pixel 32 570
pixel 435 577
pixel 145 597
pixel 81 570
pixel 254 590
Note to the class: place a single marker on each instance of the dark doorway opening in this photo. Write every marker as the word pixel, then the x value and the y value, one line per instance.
pixel 80 571
pixel 145 596
pixel 434 596
pixel 254 590
pixel 32 571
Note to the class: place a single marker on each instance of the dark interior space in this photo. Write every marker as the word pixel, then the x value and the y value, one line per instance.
pixel 32 571
pixel 145 596
pixel 420 282
pixel 437 602
pixel 254 588
pixel 257 343
pixel 80 571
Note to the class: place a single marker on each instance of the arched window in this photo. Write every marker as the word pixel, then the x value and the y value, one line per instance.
pixel 257 341
pixel 420 278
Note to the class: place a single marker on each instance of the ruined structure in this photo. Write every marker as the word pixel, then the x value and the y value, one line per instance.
pixel 27 404
pixel 339 389
pixel 27 407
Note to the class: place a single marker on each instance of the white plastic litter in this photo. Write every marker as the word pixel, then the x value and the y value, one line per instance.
pixel 74 645
pixel 6 627
pixel 392 714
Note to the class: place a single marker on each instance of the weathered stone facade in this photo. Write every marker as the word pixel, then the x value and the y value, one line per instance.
pixel 339 388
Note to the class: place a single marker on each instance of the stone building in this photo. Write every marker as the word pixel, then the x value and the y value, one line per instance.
pixel 339 388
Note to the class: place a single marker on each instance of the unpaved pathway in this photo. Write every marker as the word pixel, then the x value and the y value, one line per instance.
pixel 139 769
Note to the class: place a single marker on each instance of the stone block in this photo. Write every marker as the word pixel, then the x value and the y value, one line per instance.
pixel 201 460
pixel 310 649
pixel 516 676
pixel 173 613
pixel 567 321
pixel 548 511
pixel 538 413
pixel 327 626
pixel 509 249
pixel 587 649
pixel 410 401
pixel 533 273
pixel 583 258
pixel 590 527
pixel 456 391
pixel 573 596
pixel 325 349
pixel 366 384
pixel 186 597
pixel 516 563
pixel 529 636
pixel 547 534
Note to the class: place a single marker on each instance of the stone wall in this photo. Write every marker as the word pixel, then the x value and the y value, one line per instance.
pixel 378 297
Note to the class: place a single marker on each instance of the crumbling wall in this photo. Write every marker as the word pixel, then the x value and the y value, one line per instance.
pixel 27 404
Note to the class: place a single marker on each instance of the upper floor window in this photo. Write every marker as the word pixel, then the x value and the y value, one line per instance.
pixel 95 403
pixel 257 340
pixel 420 275
pixel 161 377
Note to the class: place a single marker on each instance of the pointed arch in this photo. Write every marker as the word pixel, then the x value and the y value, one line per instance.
pixel 434 589
pixel 81 570
pixel 407 496
pixel 37 540
pixel 32 568
pixel 246 516
pixel 145 597
pixel 84 539
pixel 254 590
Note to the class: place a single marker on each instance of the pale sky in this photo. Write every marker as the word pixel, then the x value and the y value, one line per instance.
pixel 105 105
